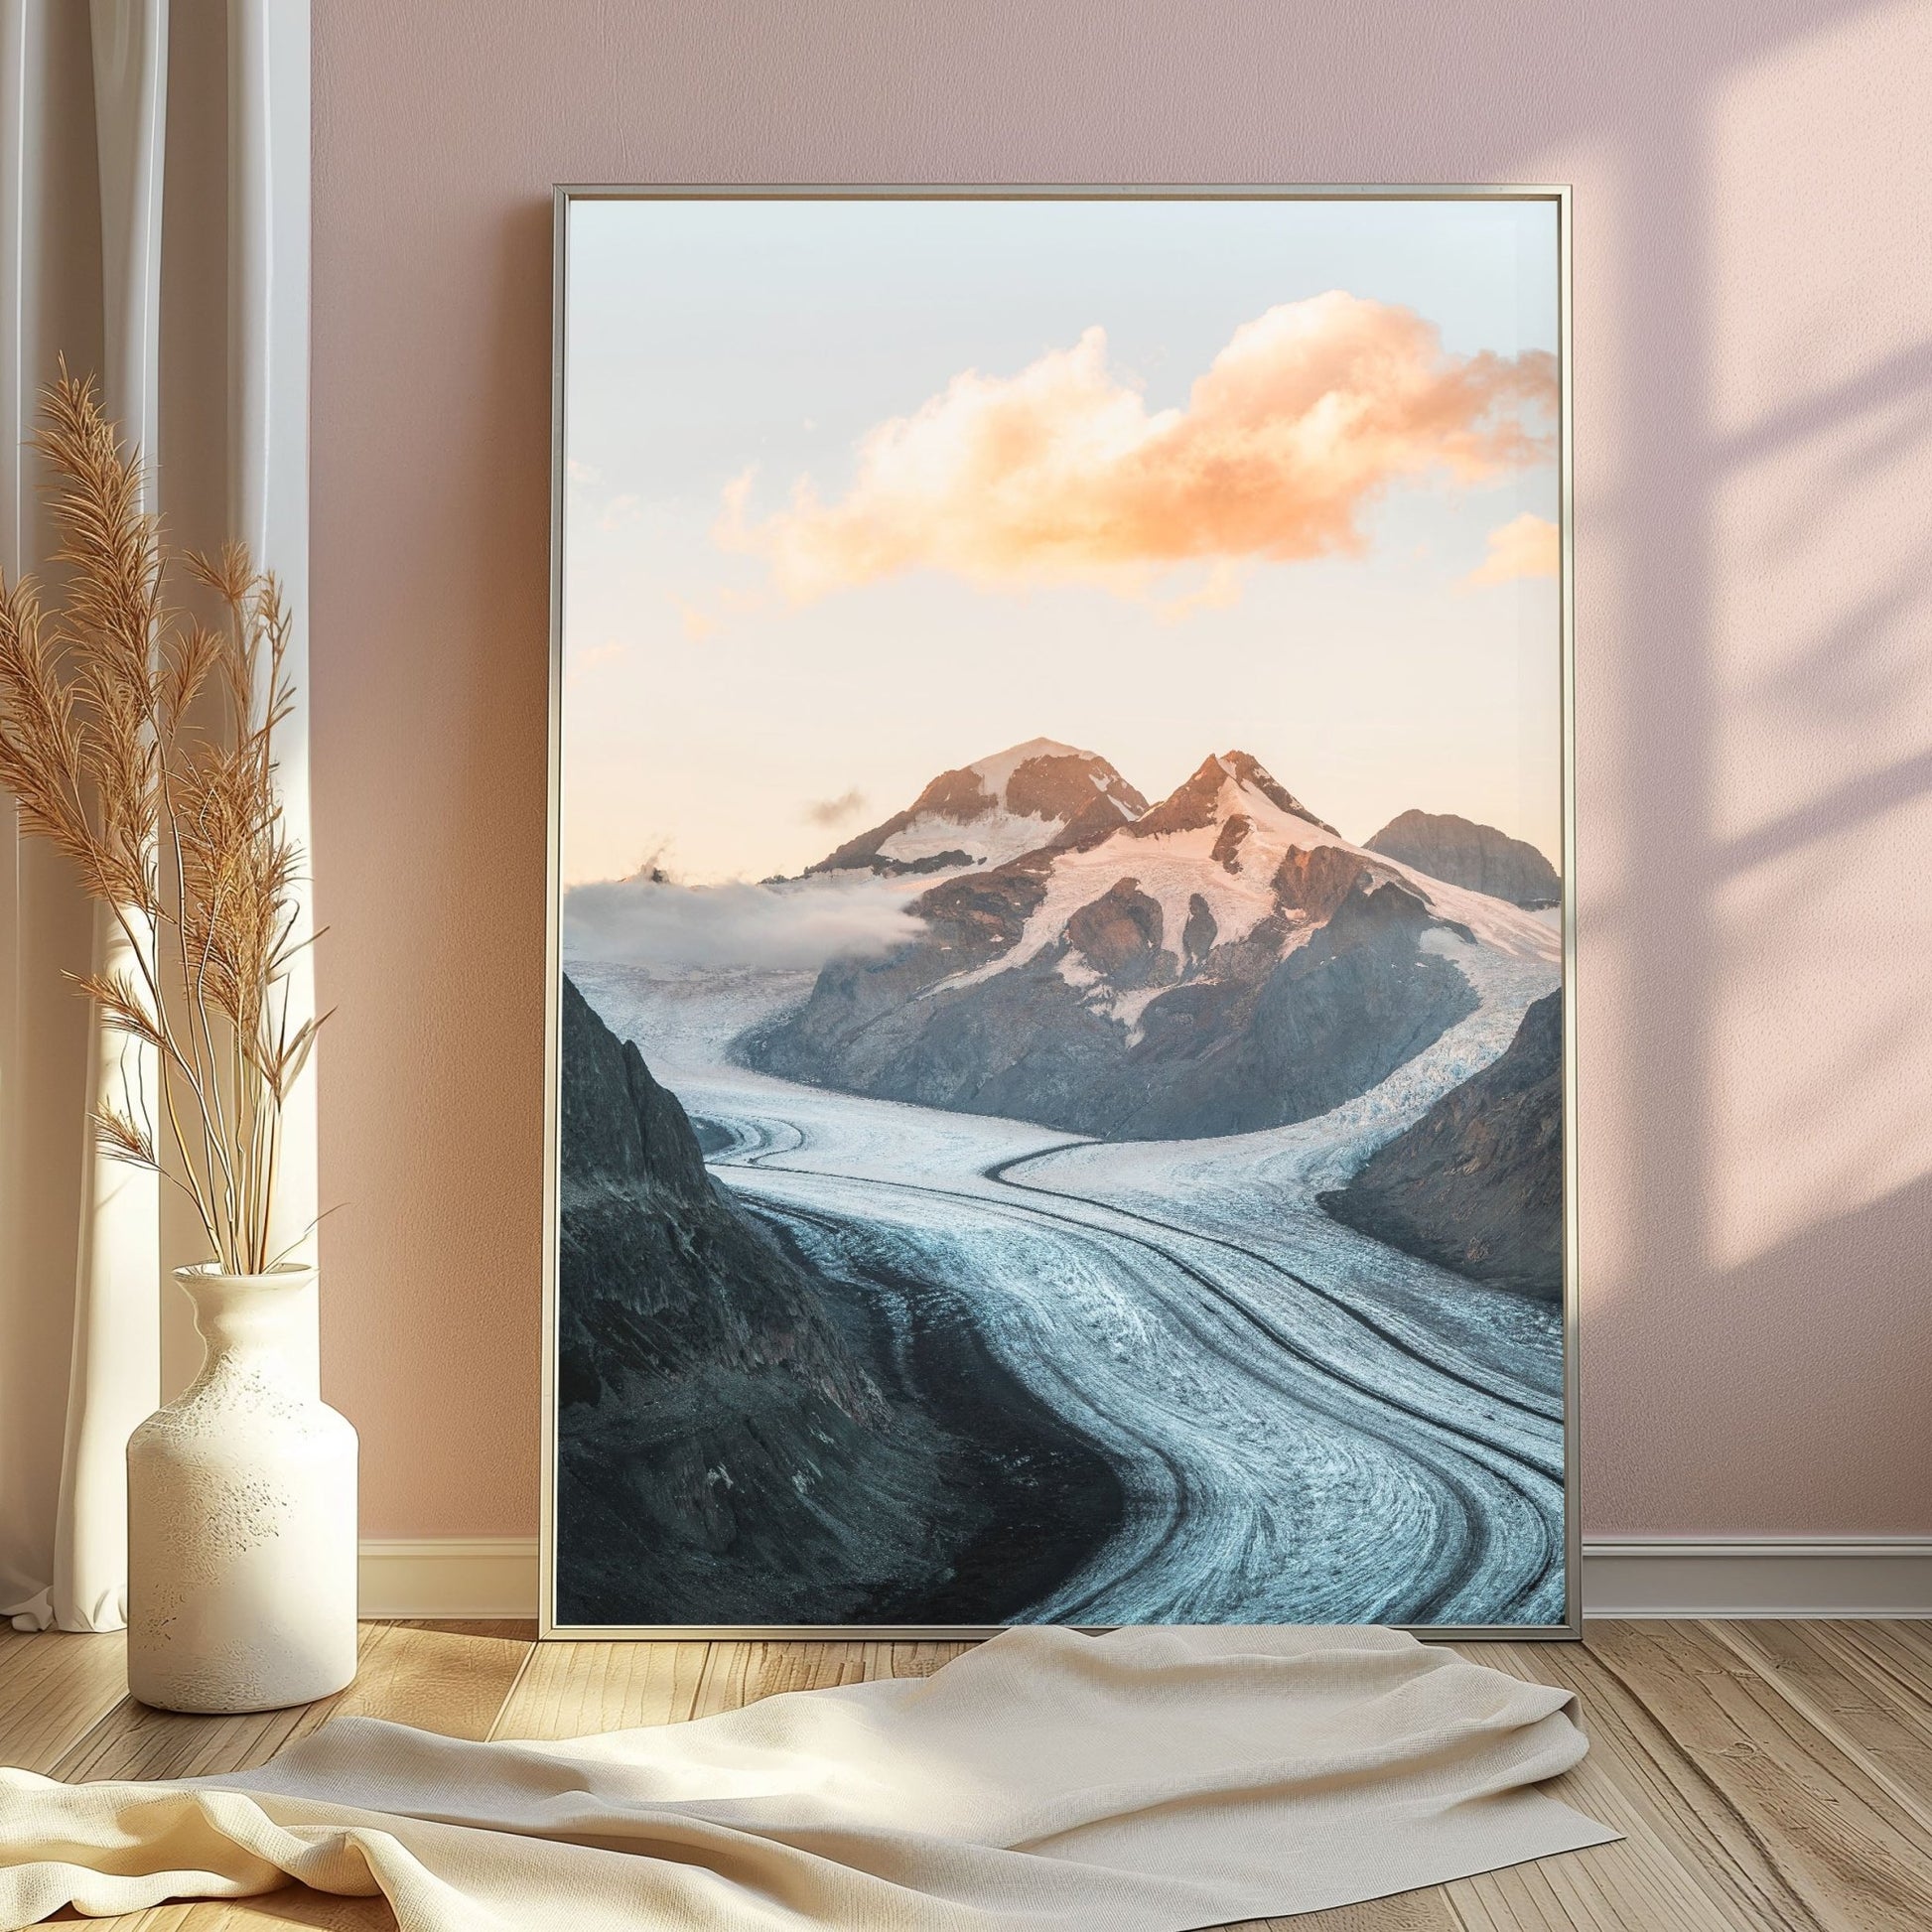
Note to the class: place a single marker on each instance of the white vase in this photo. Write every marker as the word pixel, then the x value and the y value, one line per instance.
pixel 241 1514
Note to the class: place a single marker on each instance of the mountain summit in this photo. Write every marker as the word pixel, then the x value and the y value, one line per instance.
pixel 1223 962
pixel 1462 852
pixel 1213 795
pixel 983 814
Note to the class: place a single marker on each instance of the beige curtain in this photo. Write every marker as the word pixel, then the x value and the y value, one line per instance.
pixel 154 226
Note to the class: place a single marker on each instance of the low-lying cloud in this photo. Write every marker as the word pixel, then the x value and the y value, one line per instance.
pixel 1525 546
pixel 1060 473
pixel 643 923
pixel 835 811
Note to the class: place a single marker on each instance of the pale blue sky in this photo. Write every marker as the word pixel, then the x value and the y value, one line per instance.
pixel 704 713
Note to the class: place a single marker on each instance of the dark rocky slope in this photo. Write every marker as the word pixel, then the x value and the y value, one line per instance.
pixel 1477 1184
pixel 1462 852
pixel 740 1439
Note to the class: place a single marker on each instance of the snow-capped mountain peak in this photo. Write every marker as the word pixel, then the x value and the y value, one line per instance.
pixel 1223 786
pixel 994 810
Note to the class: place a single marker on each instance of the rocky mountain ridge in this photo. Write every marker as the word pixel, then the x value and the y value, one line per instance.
pixel 1477 1184
pixel 1462 852
pixel 1219 962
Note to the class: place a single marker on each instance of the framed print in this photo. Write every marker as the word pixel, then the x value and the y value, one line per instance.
pixel 1060 1071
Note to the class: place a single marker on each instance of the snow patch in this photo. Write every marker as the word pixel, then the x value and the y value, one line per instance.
pixel 1169 869
pixel 994 772
pixel 989 840
pixel 1076 971
pixel 1130 1007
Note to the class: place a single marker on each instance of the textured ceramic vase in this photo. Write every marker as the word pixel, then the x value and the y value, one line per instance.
pixel 241 1514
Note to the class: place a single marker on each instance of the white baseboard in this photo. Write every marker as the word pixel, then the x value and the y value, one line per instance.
pixel 1648 1577
pixel 1759 1576
pixel 449 1577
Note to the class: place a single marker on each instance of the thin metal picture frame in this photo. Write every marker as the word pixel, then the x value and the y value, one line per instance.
pixel 564 196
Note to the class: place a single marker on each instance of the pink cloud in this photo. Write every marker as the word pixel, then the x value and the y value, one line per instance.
pixel 1525 546
pixel 698 624
pixel 1061 473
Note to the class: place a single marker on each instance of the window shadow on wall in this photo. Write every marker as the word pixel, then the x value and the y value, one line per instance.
pixel 1756 1206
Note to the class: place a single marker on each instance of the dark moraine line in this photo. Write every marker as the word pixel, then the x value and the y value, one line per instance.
pixel 999 1170
pixel 1453 1485
pixel 1051 1496
pixel 1552 1559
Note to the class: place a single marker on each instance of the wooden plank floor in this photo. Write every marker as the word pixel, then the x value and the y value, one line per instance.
pixel 1769 1776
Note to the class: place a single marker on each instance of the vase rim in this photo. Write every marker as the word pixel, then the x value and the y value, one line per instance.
pixel 285 1274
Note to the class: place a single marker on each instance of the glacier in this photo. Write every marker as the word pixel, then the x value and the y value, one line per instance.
pixel 1307 1425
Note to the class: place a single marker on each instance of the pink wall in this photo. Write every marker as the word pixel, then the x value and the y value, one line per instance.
pixel 1753 354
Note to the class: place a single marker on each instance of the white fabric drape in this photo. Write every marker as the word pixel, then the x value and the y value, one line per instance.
pixel 1145 1781
pixel 101 192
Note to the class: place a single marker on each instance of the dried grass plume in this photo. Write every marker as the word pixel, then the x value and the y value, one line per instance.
pixel 141 741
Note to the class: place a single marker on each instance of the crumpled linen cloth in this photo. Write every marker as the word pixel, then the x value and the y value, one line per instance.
pixel 1148 1780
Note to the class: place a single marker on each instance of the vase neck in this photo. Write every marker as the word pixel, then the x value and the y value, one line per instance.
pixel 261 1320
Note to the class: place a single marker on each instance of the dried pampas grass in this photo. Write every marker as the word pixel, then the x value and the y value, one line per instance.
pixel 141 743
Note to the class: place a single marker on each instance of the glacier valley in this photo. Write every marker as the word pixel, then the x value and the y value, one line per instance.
pixel 1304 1425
